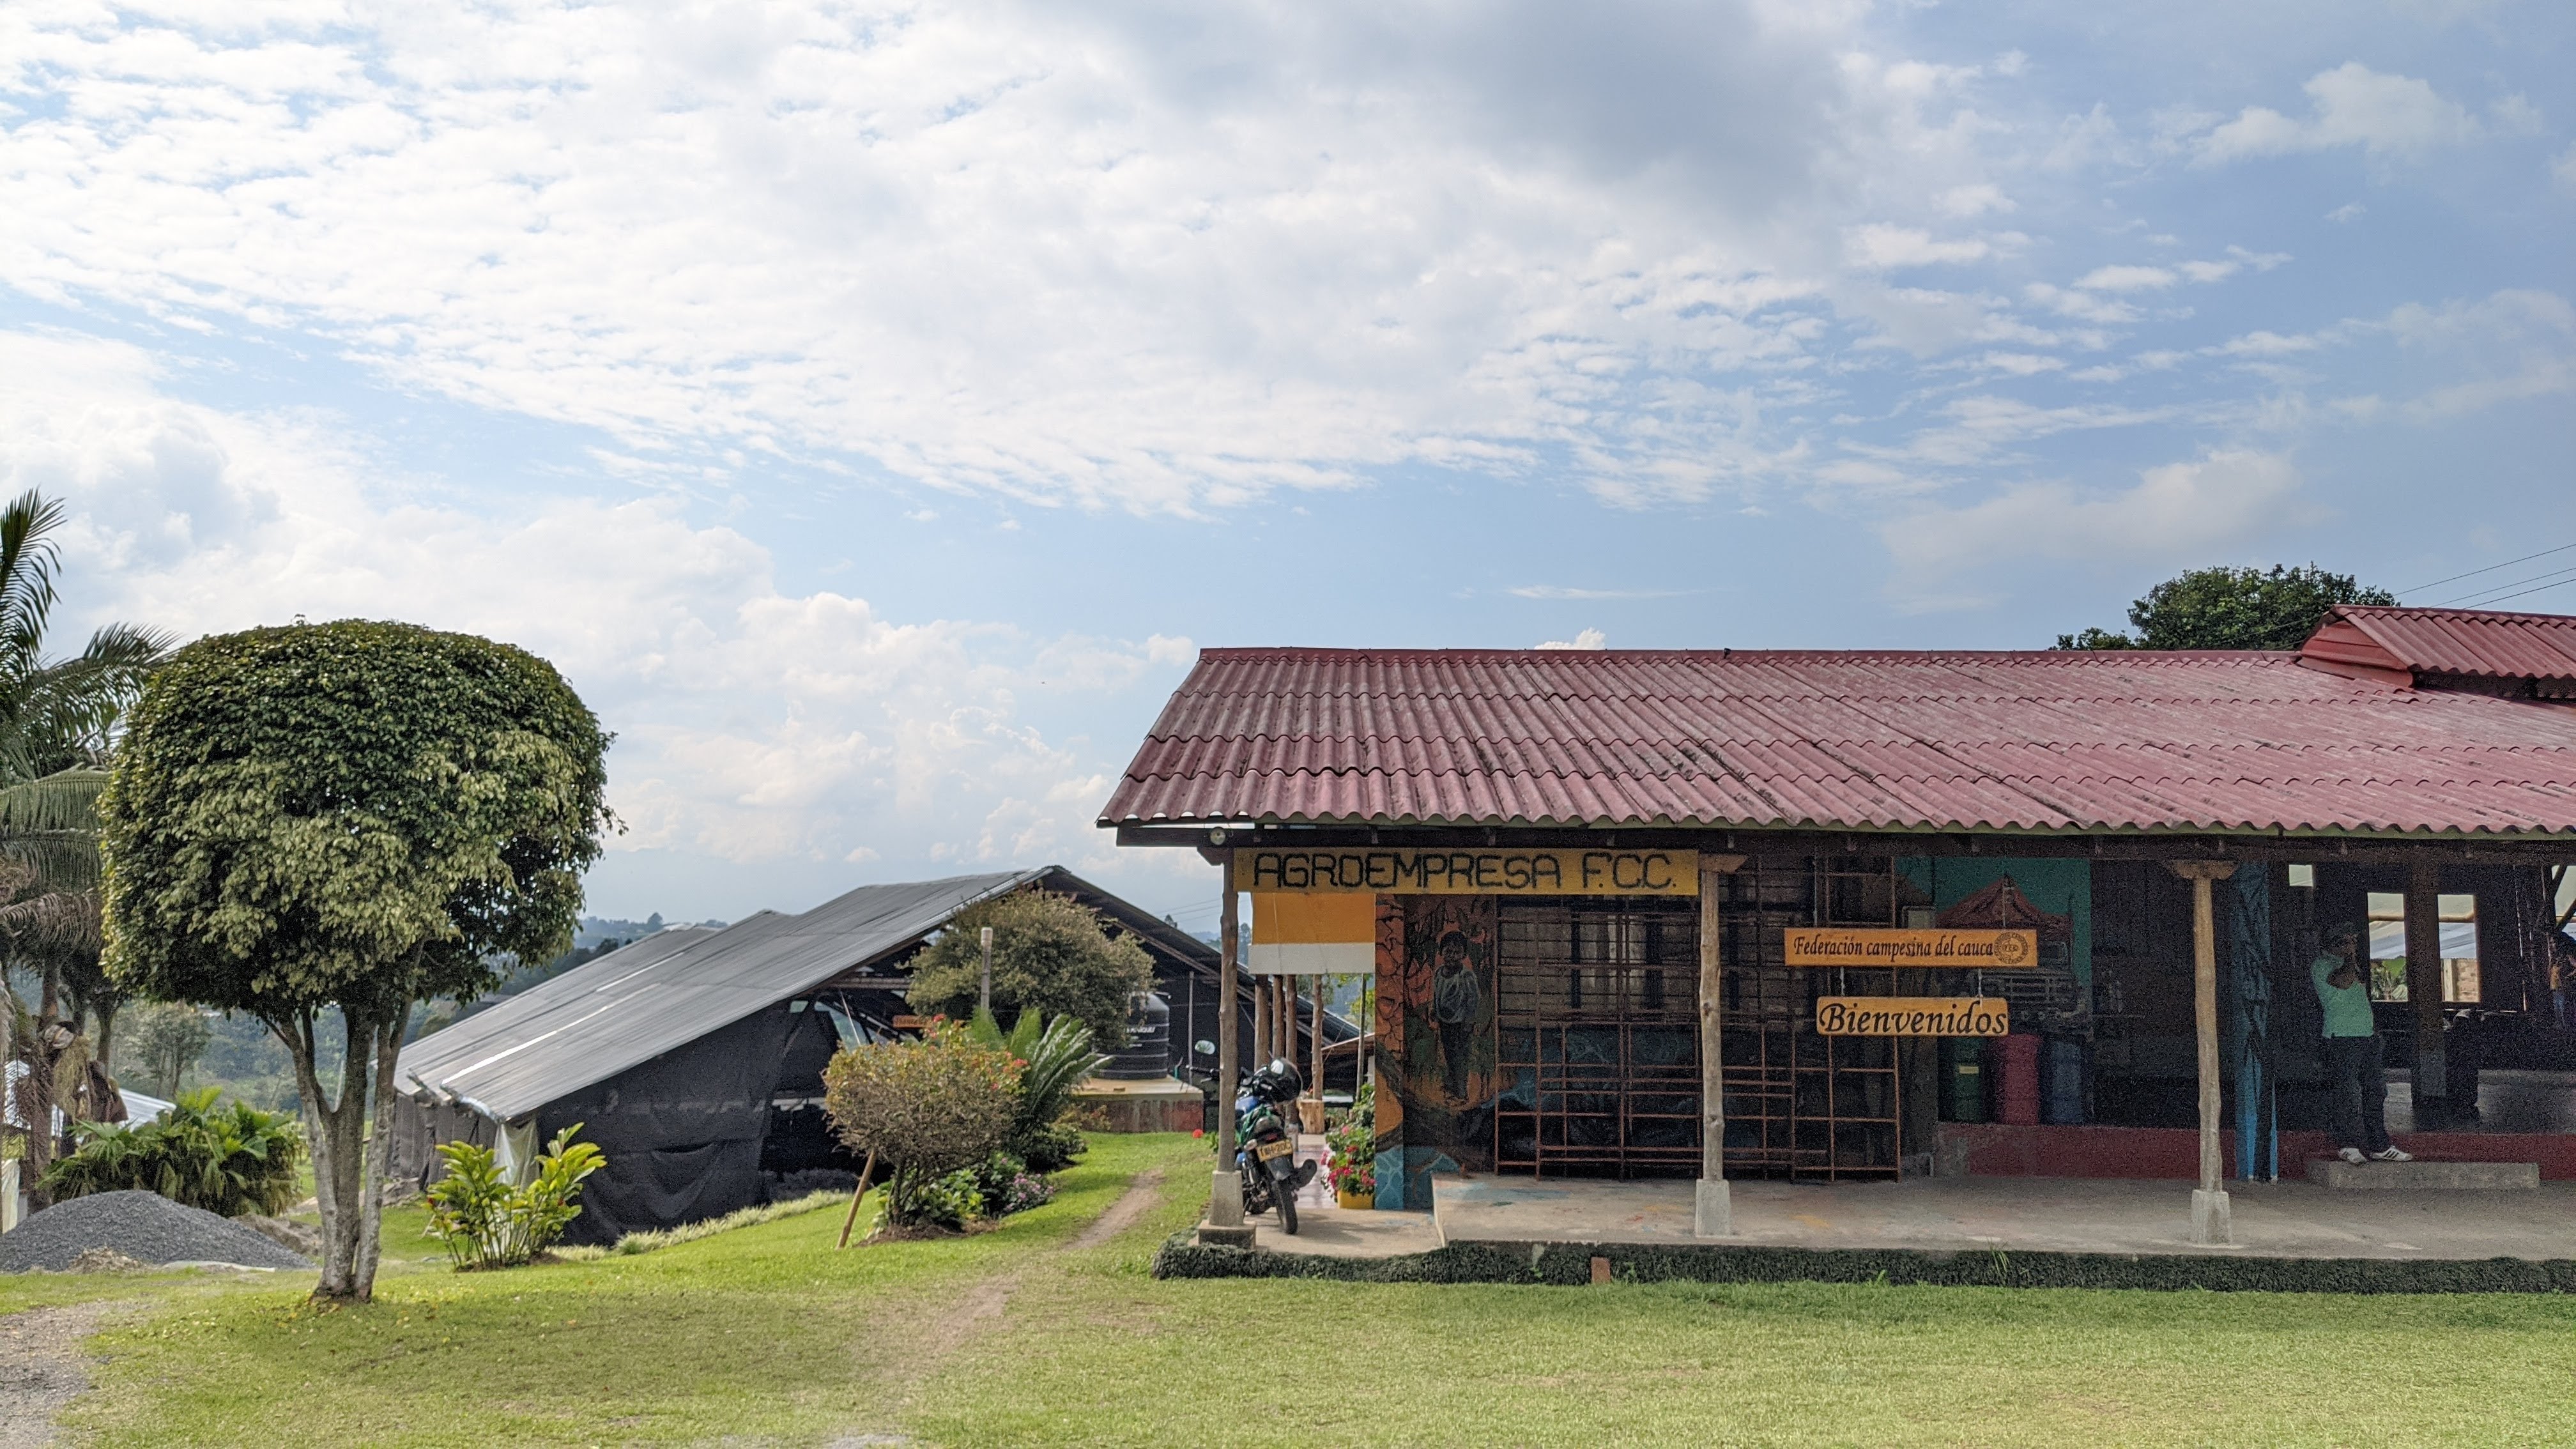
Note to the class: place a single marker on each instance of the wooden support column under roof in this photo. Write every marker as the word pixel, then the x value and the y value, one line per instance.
pixel 1713 1212
pixel 2431 1075
pixel 2210 1224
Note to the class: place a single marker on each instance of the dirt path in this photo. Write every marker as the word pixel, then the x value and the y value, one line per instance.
pixel 985 1303
pixel 42 1369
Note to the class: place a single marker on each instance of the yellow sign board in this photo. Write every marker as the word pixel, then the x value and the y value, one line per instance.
pixel 1487 872
pixel 1913 1016
pixel 1935 948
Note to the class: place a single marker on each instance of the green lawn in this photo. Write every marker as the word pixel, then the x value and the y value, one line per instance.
pixel 766 1335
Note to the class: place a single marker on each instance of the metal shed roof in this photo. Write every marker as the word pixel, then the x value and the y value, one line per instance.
pixel 2474 643
pixel 642 1000
pixel 2073 741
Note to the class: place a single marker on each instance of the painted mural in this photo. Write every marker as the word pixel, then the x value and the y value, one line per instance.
pixel 1436 958
pixel 2053 897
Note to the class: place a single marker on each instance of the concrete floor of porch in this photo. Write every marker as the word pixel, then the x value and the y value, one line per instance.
pixel 1968 1214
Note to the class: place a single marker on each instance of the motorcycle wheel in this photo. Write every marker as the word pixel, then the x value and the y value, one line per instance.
pixel 1287 1199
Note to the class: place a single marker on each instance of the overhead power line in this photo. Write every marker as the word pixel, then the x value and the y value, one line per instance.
pixel 2492 568
pixel 2542 589
pixel 2497 592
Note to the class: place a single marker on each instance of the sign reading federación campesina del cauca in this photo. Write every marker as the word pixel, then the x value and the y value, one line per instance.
pixel 1937 948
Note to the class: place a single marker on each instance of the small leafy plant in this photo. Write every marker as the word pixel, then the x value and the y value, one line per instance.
pixel 1354 1146
pixel 231 1160
pixel 1054 1055
pixel 484 1222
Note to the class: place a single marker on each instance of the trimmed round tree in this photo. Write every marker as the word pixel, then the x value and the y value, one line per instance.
pixel 1050 952
pixel 353 815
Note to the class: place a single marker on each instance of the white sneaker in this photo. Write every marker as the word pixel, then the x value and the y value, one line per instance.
pixel 2353 1156
pixel 2392 1153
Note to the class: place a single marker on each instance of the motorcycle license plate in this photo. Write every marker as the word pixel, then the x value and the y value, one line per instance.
pixel 1268 1150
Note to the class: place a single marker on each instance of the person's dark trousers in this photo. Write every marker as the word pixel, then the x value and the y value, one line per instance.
pixel 2360 1078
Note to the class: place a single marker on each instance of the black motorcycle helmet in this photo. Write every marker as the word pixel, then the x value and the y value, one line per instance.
pixel 1290 1080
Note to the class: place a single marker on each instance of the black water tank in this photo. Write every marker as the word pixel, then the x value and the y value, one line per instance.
pixel 1148 1053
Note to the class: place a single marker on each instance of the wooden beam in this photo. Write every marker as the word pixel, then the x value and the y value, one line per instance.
pixel 2209 1213
pixel 2424 992
pixel 1225 1198
pixel 1713 1214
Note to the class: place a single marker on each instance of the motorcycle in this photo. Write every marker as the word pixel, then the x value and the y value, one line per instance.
pixel 1265 1153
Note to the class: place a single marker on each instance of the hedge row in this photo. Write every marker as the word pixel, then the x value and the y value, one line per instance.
pixel 1571 1264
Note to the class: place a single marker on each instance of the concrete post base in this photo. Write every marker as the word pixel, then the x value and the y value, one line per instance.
pixel 1713 1215
pixel 2210 1227
pixel 1225 1199
pixel 1211 1236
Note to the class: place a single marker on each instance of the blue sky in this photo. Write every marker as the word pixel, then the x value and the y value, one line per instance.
pixel 873 407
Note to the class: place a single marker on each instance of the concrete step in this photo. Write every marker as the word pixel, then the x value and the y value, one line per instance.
pixel 2410 1176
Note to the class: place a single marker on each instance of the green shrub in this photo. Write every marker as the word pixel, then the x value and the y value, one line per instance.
pixel 1353 1141
pixel 1051 954
pixel 484 1222
pixel 924 1109
pixel 230 1160
pixel 1053 1057
pixel 949 1202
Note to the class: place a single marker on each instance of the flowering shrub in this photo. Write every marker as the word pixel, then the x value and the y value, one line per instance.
pixel 926 1109
pixel 1354 1146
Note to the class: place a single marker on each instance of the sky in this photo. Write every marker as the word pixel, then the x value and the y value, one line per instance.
pixel 873 408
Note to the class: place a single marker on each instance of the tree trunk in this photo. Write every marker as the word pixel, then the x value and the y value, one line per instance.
pixel 339 1150
pixel 103 1045
pixel 388 1049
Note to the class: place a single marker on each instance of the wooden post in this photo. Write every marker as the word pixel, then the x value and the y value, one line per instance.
pixel 1713 1214
pixel 2431 1075
pixel 1315 1040
pixel 2210 1225
pixel 852 1220
pixel 1225 1199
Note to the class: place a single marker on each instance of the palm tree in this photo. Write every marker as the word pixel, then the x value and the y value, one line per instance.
pixel 58 723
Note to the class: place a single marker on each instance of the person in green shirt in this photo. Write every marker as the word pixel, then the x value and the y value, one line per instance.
pixel 2356 1071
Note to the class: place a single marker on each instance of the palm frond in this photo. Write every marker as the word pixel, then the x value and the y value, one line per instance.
pixel 50 826
pixel 66 800
pixel 63 920
pixel 28 558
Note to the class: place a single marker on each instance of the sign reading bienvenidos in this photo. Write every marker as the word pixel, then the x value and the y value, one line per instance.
pixel 1912 1016
pixel 1937 948
pixel 1493 872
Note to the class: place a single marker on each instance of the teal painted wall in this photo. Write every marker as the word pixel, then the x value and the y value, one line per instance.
pixel 2059 887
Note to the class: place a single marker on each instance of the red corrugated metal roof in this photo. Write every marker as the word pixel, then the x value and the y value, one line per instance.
pixel 2479 643
pixel 1845 740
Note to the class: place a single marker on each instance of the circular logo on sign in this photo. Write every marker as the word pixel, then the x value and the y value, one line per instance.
pixel 2012 950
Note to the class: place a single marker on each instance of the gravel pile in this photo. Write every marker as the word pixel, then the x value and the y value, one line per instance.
pixel 144 1226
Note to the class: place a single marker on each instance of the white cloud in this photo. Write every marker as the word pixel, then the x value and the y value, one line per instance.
pixel 2349 211
pixel 2509 347
pixel 1565 592
pixel 1880 247
pixel 2563 170
pixel 1974 200
pixel 1588 639
pixel 754 725
pixel 2352 105
pixel 1064 254
pixel 2195 509
pixel 2125 279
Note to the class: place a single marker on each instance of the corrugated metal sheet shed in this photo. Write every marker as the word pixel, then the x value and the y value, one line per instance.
pixel 635 1003
pixel 2477 643
pixel 2071 741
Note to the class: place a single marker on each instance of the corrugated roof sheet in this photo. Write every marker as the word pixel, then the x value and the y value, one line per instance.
pixel 639 1001
pixel 2479 643
pixel 2055 741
